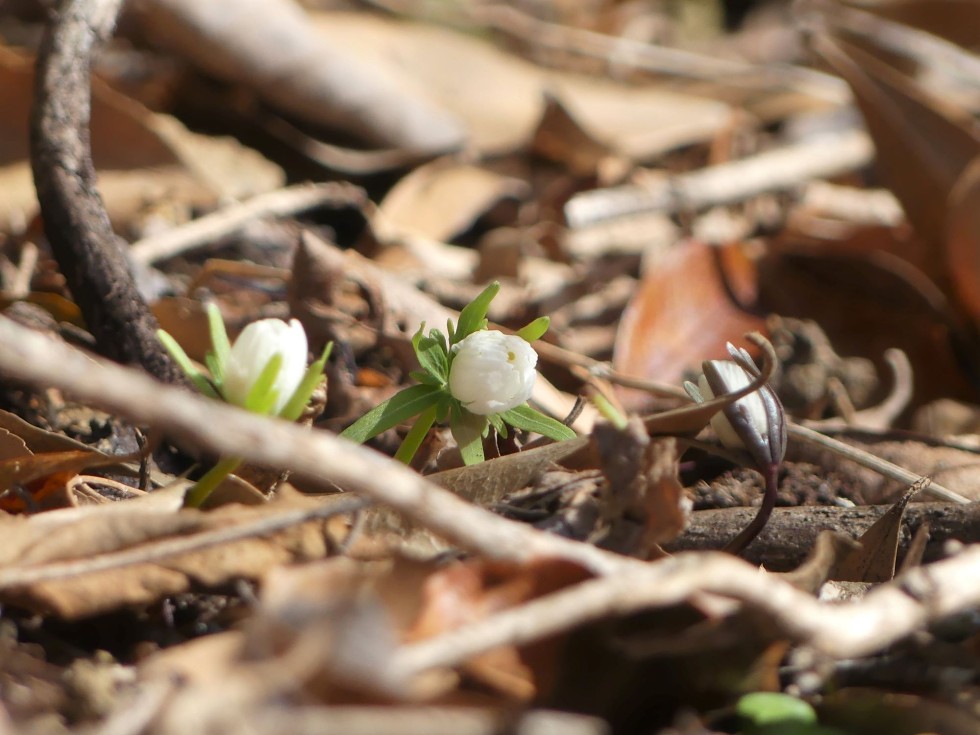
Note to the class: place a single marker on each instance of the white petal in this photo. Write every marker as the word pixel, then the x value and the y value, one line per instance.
pixel 734 378
pixel 255 346
pixel 492 372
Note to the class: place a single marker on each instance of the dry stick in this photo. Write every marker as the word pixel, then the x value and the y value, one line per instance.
pixel 319 456
pixel 884 616
pixel 791 532
pixel 231 219
pixel 818 157
pixel 75 219
pixel 627 52
pixel 879 465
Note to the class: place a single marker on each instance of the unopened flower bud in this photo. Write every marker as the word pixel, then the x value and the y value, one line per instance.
pixel 492 372
pixel 258 343
pixel 756 422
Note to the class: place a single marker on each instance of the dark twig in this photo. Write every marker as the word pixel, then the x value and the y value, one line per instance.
pixel 75 219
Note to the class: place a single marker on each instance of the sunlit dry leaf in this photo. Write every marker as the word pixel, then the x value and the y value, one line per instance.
pixel 443 199
pixel 461 72
pixel 110 557
pixel 683 313
pixel 923 144
pixel 140 157
pixel 875 560
pixel 559 137
pixel 468 592
pixel 488 482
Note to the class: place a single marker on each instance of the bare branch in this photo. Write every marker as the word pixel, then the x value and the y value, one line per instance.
pixel 75 219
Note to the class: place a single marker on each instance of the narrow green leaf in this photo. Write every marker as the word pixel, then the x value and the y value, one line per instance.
pixel 609 411
pixel 261 398
pixel 431 354
pixel 498 424
pixel 202 489
pixel 219 343
pixel 526 418
pixel 400 407
pixel 311 379
pixel 422 376
pixel 184 363
pixel 534 330
pixel 416 435
pixel 468 429
pixel 474 315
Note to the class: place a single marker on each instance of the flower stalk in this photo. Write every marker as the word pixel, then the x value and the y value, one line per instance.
pixel 755 423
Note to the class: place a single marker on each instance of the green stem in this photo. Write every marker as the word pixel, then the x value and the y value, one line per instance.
pixel 416 435
pixel 213 477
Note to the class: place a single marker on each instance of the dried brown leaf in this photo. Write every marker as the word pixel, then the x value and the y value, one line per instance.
pixel 923 144
pixel 683 313
pixel 875 560
pixel 113 556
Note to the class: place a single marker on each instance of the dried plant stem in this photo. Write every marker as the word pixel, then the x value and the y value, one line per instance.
pixel 881 466
pixel 227 221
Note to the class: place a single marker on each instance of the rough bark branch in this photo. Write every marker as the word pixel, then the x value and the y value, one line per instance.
pixel 791 532
pixel 75 219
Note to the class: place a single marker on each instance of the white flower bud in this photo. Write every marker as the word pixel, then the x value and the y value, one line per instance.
pixel 492 372
pixel 754 422
pixel 255 346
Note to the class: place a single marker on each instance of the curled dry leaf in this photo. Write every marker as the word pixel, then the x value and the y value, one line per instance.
pixel 683 312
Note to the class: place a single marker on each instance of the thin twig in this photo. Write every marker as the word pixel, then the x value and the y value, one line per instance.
pixel 879 465
pixel 884 616
pixel 227 221
pixel 784 168
pixel 75 219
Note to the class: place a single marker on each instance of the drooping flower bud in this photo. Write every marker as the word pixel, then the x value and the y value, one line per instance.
pixel 258 343
pixel 756 422
pixel 492 372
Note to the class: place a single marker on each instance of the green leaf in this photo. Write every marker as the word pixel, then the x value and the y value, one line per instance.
pixel 261 398
pixel 468 429
pixel 526 418
pixel 609 411
pixel 431 353
pixel 219 343
pixel 400 407
pixel 421 376
pixel 416 435
pixel 535 330
pixel 473 317
pixel 311 379
pixel 762 708
pixel 184 363
pixel 498 424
